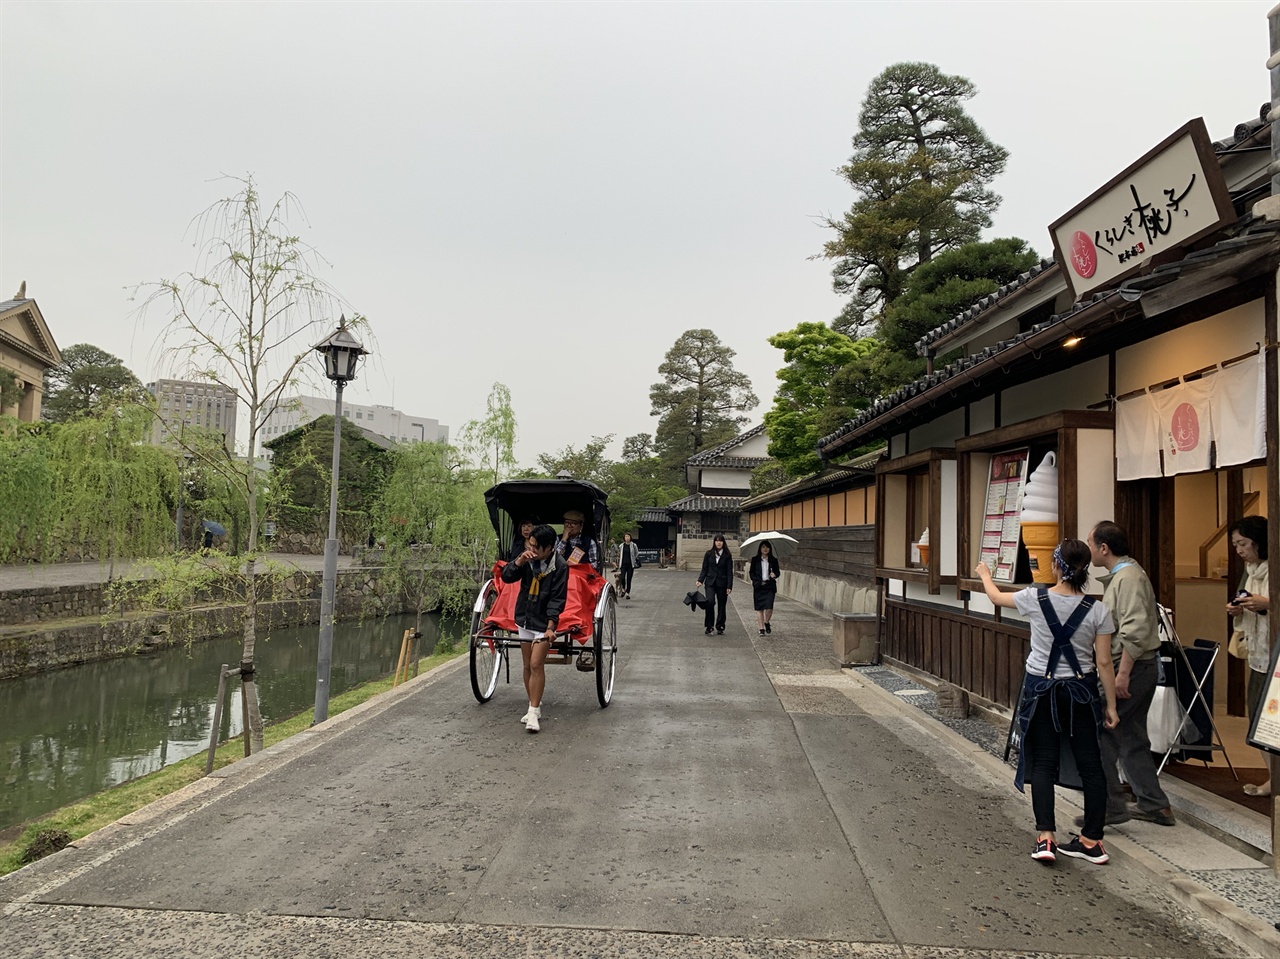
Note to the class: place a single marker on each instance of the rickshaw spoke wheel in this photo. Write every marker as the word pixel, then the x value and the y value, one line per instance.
pixel 486 653
pixel 606 648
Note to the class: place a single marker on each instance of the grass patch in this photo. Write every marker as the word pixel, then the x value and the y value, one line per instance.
pixel 101 809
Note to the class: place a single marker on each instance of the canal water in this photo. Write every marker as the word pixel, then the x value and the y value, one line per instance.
pixel 70 733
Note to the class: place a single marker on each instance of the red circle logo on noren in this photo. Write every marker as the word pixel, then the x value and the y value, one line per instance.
pixel 1084 256
pixel 1184 428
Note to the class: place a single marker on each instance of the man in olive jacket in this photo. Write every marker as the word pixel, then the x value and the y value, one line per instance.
pixel 1134 650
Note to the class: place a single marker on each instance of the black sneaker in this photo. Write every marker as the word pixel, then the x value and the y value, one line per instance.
pixel 1046 851
pixel 708 630
pixel 768 628
pixel 762 632
pixel 1078 850
pixel 719 632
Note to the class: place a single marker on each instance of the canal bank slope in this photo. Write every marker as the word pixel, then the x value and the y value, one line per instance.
pixel 63 614
pixel 741 796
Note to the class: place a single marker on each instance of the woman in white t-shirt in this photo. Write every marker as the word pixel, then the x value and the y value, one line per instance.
pixel 1060 707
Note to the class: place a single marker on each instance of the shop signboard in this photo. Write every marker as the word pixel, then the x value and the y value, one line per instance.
pixel 1002 514
pixel 1171 197
pixel 1264 731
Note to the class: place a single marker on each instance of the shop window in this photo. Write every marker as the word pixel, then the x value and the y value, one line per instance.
pixel 917 493
pixel 1082 444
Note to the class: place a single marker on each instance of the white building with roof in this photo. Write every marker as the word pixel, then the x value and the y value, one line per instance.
pixel 386 421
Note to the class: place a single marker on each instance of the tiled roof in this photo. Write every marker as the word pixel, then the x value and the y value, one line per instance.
pixel 1255 234
pixel 862 469
pixel 653 514
pixel 697 503
pixel 984 304
pixel 712 456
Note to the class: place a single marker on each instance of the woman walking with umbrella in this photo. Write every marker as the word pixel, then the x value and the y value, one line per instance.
pixel 763 573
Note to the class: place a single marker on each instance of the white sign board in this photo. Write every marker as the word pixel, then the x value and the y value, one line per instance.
pixel 1169 198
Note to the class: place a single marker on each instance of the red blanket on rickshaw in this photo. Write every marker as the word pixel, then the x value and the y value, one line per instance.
pixel 585 586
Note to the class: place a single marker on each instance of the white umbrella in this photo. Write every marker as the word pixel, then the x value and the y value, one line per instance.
pixel 783 546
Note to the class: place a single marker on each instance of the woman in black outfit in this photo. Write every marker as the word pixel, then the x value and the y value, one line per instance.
pixel 628 560
pixel 522 534
pixel 717 578
pixel 764 572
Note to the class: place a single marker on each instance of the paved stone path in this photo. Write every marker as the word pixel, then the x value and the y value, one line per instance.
pixel 741 797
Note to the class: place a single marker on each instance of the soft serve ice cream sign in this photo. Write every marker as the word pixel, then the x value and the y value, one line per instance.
pixel 1040 518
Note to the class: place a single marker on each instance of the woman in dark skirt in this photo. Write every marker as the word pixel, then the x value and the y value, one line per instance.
pixel 764 573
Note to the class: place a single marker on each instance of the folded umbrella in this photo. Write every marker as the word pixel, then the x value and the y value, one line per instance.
pixel 695 600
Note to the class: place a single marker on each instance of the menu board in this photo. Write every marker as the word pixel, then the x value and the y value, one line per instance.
pixel 1264 732
pixel 1001 523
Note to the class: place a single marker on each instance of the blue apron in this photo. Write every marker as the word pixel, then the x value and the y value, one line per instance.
pixel 1082 687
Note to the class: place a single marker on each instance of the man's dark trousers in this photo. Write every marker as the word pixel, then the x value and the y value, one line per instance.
pixel 1129 745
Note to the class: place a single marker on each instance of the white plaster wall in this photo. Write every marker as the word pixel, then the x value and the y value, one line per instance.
pixel 982 415
pixel 757 445
pixel 726 479
pixel 1189 348
pixel 1072 389
pixel 940 432
pixel 1095 479
pixel 945 544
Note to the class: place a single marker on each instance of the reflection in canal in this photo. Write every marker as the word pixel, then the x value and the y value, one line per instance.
pixel 67 734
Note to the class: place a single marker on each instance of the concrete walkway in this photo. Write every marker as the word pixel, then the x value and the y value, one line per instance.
pixel 742 796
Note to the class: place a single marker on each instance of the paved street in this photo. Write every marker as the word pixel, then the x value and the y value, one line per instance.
pixel 741 797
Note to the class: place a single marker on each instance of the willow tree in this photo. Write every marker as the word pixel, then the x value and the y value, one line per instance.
pixel 27 502
pixel 111 486
pixel 491 442
pixel 245 318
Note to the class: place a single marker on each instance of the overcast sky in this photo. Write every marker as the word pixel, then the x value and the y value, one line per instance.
pixel 545 194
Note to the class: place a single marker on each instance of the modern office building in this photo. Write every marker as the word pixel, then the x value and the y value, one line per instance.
pixel 384 420
pixel 186 403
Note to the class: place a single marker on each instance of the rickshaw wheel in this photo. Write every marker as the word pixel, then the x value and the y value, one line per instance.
pixel 606 649
pixel 486 651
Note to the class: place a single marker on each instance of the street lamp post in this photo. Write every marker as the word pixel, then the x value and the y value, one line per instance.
pixel 341 352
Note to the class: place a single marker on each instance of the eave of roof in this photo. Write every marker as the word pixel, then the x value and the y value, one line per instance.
pixel 698 503
pixel 1259 241
pixel 700 458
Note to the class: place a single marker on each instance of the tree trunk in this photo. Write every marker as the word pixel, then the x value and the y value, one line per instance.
pixel 253 732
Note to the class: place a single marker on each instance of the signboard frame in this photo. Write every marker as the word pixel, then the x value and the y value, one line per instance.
pixel 1268 737
pixel 1214 180
pixel 1000 509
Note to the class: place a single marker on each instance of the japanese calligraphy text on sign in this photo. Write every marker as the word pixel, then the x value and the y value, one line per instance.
pixel 1169 198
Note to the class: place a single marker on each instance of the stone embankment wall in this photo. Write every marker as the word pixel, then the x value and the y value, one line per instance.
pixel 47 628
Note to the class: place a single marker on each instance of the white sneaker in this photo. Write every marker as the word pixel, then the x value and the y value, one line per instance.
pixel 532 724
pixel 525 718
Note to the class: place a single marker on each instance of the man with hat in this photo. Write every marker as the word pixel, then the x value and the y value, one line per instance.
pixel 575 544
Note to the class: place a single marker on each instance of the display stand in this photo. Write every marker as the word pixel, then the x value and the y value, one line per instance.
pixel 1171 649
pixel 1002 510
pixel 1264 730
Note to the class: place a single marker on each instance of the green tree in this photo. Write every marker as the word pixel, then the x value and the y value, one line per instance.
pixel 589 463
pixel 10 395
pixel 86 376
pixel 921 169
pixel 245 319
pixel 701 400
pixel 802 412
pixel 28 506
pixel 491 442
pixel 113 489
pixel 436 528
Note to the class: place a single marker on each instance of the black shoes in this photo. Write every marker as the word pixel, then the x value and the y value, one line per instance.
pixel 1078 850
pixel 768 628
pixel 1046 851
pixel 708 630
pixel 1161 817
pixel 720 631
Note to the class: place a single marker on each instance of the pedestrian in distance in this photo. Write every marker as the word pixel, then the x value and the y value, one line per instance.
pixel 543 575
pixel 628 560
pixel 1135 648
pixel 1060 707
pixel 763 573
pixel 716 578
pixel 1248 609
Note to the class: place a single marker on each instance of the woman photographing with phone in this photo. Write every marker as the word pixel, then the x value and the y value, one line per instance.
pixel 1248 609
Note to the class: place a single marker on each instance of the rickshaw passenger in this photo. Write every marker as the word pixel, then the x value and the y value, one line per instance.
pixel 576 545
pixel 544 588
pixel 521 541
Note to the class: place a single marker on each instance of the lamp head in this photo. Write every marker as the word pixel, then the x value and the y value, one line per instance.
pixel 341 352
